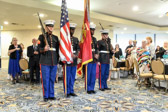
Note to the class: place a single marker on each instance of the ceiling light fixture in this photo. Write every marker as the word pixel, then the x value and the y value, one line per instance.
pixel 167 32
pixel 41 15
pixel 135 8
pixel 91 23
pixel 160 16
pixel 39 26
pixel 6 22
pixel 122 32
pixel 125 28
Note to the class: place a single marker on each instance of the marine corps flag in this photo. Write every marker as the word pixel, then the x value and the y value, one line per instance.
pixel 85 54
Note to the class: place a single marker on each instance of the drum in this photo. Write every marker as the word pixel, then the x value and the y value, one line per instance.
pixel 23 64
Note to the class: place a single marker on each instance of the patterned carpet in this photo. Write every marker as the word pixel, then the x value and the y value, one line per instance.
pixel 124 97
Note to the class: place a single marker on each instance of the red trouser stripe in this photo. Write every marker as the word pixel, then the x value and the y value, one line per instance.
pixel 100 76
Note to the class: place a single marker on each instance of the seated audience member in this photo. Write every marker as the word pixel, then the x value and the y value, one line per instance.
pixel 34 57
pixel 133 54
pixel 131 59
pixel 144 58
pixel 159 52
pixel 117 51
pixel 165 47
pixel 134 49
pixel 150 47
pixel 24 53
pixel 128 49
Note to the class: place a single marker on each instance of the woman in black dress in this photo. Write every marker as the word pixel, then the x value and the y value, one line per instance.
pixel 159 52
pixel 14 52
pixel 117 51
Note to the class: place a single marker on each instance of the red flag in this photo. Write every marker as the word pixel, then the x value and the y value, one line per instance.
pixel 85 54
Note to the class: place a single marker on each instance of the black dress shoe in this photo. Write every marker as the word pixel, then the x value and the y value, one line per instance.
pixel 37 82
pixel 32 81
pixel 89 92
pixel 73 94
pixel 17 81
pixel 13 82
pixel 107 88
pixel 93 92
pixel 52 98
pixel 45 99
pixel 68 95
pixel 101 89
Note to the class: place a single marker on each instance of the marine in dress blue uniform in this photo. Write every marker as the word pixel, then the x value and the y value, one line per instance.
pixel 71 68
pixel 91 67
pixel 48 60
pixel 104 47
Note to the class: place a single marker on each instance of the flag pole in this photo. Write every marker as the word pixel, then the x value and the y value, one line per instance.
pixel 65 81
pixel 86 77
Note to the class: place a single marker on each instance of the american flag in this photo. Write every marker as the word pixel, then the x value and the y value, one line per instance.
pixel 65 47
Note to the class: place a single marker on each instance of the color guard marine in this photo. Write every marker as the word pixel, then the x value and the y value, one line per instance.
pixel 71 68
pixel 49 48
pixel 104 47
pixel 91 67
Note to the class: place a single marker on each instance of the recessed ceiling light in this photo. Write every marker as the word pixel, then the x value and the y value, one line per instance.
pixel 6 22
pixel 135 8
pixel 167 32
pixel 160 16
pixel 39 26
pixel 125 28
pixel 91 23
pixel 122 32
pixel 41 15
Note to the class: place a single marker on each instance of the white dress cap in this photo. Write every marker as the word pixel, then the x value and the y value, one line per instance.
pixel 73 25
pixel 92 25
pixel 49 22
pixel 105 31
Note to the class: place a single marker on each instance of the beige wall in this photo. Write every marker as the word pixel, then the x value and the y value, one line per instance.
pixel 26 36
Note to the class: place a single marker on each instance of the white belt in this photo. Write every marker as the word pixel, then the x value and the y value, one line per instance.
pixel 74 51
pixel 52 49
pixel 104 52
pixel 93 49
